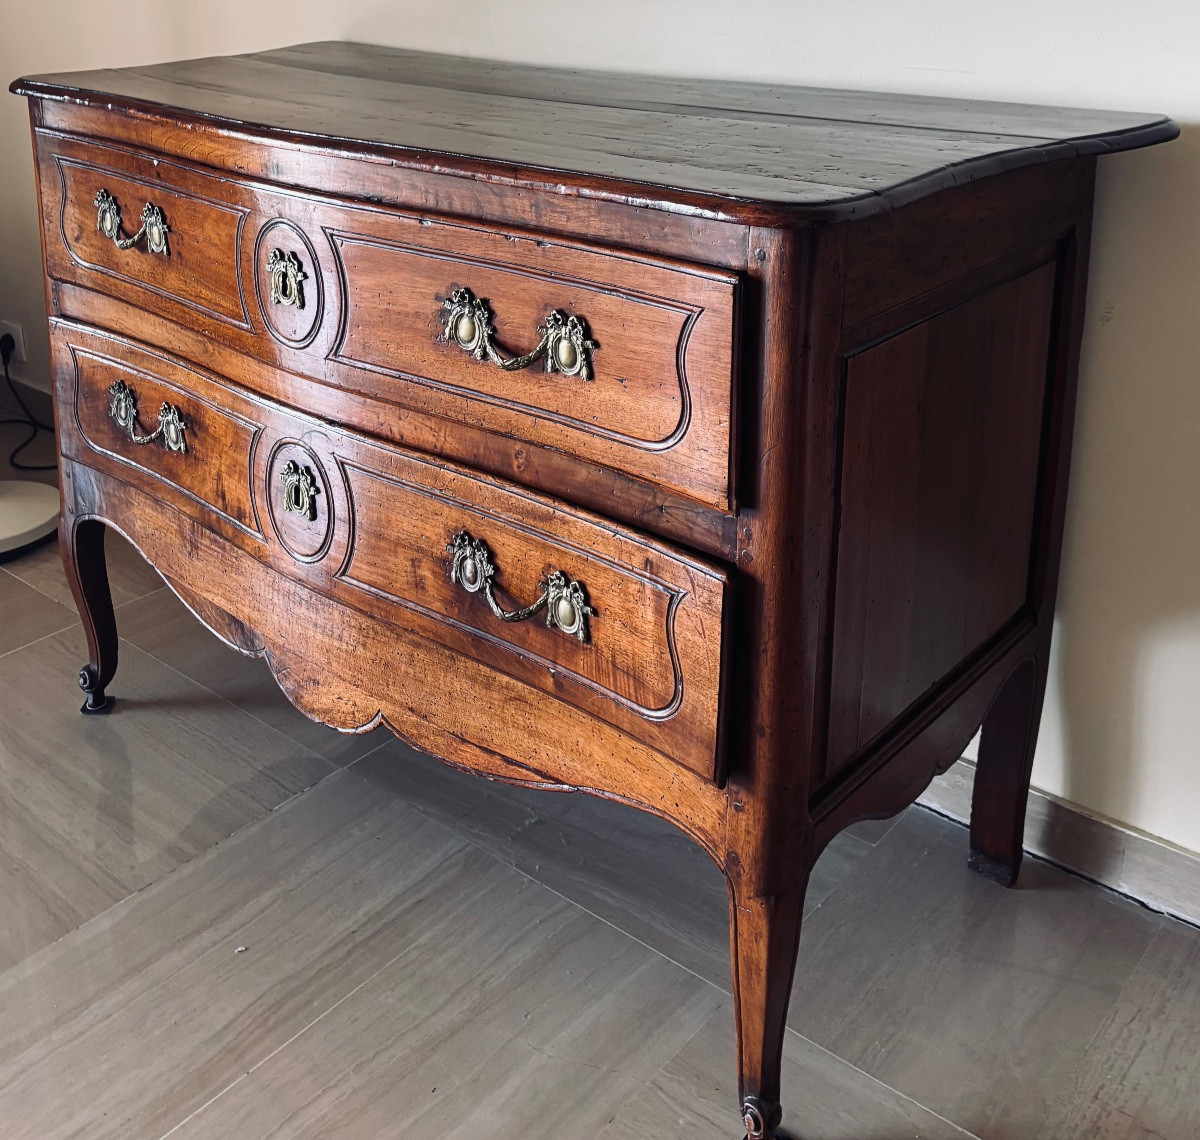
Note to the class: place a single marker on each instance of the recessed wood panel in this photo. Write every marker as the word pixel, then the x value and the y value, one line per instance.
pixel 214 470
pixel 638 393
pixel 199 269
pixel 940 459
pixel 403 532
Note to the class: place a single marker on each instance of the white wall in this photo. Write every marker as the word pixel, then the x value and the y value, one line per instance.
pixel 1122 729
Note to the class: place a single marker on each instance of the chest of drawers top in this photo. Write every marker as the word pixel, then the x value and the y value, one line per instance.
pixel 743 151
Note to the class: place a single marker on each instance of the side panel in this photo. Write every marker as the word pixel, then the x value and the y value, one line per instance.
pixel 942 435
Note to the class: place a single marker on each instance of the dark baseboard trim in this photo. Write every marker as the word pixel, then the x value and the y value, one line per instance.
pixel 1156 874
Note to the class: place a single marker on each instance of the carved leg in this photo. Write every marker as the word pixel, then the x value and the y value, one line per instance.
pixel 1002 775
pixel 82 547
pixel 765 937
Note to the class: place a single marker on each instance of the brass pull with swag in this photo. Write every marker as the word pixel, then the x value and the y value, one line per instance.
pixel 122 410
pixel 563 599
pixel 108 222
pixel 564 342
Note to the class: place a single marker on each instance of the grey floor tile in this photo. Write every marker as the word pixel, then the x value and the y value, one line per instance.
pixel 26 614
pixel 626 866
pixel 527 1020
pixel 695 1097
pixel 836 864
pixel 130 576
pixel 164 627
pixel 871 831
pixel 92 808
pixel 623 865
pixel 978 1002
pixel 1142 1076
pixel 396 981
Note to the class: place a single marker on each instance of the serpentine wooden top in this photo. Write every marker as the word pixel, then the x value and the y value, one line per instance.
pixel 726 149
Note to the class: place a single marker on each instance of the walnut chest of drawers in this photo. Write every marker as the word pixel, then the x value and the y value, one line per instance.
pixel 699 445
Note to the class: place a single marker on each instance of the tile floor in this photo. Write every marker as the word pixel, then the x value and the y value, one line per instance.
pixel 222 920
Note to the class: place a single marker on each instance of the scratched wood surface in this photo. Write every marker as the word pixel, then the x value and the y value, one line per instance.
pixel 722 143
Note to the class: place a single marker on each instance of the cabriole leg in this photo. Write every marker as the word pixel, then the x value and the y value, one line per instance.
pixel 82 546
pixel 765 937
pixel 1002 774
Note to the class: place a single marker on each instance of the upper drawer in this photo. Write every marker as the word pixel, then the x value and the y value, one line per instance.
pixel 608 356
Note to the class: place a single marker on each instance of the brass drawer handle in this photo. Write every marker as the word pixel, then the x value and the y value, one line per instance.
pixel 563 598
pixel 564 341
pixel 122 409
pixel 108 222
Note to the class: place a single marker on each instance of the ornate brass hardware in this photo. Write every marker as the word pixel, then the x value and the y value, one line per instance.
pixel 122 410
pixel 108 222
pixel 287 275
pixel 563 598
pixel 299 490
pixel 564 342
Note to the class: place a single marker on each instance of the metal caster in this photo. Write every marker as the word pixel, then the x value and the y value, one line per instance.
pixel 97 703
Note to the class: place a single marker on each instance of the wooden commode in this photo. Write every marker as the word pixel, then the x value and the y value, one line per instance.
pixel 699 445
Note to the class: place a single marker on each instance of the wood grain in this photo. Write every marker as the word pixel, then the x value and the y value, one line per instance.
pixel 889 149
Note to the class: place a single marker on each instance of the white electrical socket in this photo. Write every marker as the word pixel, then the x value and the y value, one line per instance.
pixel 18 335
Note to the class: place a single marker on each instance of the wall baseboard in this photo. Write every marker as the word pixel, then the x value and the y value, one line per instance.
pixel 1156 874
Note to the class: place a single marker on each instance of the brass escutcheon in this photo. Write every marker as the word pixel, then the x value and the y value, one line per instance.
pixel 299 491
pixel 287 275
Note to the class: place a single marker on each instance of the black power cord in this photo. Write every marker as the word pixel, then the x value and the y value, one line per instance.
pixel 27 419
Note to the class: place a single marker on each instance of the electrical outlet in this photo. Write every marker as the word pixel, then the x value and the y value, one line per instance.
pixel 18 335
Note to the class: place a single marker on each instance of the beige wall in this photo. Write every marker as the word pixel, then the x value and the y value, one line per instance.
pixel 1122 729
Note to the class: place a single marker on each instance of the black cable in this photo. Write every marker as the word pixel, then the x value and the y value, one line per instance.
pixel 27 419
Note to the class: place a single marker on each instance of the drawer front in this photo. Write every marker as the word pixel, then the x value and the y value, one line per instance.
pixel 142 233
pixel 156 431
pixel 613 358
pixel 627 360
pixel 626 628
pixel 621 617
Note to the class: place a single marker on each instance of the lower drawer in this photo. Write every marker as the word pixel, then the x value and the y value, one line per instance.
pixel 578 610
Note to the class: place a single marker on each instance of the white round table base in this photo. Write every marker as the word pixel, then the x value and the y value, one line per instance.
pixel 28 514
